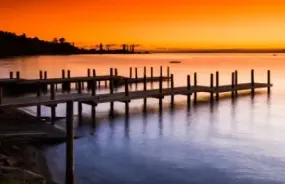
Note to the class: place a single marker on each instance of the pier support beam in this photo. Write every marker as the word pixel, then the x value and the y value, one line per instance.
pixel 268 82
pixel 69 175
pixel 53 114
pixel 217 86
pixel 160 94
pixel 93 114
pixel 195 85
pixel 127 109
pixel 188 91
pixel 38 95
pixel 236 83
pixel 212 88
pixel 151 74
pixel 144 88
pixel 111 92
pixel 11 75
pixel 233 85
pixel 172 92
pixel 69 83
pixel 252 82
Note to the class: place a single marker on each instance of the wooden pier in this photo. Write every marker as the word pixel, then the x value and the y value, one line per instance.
pixel 92 98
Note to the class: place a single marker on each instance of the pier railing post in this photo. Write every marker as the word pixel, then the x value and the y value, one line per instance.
pixel 11 75
pixel 136 74
pixel 161 71
pixel 195 85
pixel 160 93
pixel 217 86
pixel 252 82
pixel 38 95
pixel 268 81
pixel 144 88
pixel 88 72
pixel 168 73
pixel 151 74
pixel 172 90
pixel 17 75
pixel 236 83
pixel 69 175
pixel 69 83
pixel 63 73
pixel 131 72
pixel 45 75
pixel 94 84
pixel 52 91
pixel 63 85
pixel 233 85
pixel 212 87
pixel 111 92
pixel 41 74
pixel 188 91
pixel 1 94
pixel 127 96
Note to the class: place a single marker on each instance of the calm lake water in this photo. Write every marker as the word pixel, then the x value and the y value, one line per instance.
pixel 234 142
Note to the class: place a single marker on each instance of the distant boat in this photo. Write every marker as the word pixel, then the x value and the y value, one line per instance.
pixel 175 62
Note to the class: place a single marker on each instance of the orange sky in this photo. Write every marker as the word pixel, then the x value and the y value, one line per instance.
pixel 168 23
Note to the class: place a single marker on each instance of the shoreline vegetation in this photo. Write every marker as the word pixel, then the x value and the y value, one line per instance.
pixel 12 45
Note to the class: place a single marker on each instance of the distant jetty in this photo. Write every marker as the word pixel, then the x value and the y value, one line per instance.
pixel 20 45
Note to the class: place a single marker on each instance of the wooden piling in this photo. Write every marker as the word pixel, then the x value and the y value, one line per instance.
pixel 188 91
pixel 41 74
pixel 17 75
pixel 127 95
pixel 212 88
pixel 11 75
pixel 53 114
pixel 268 81
pixel 45 75
pixel 88 72
pixel 131 72
pixel 63 74
pixel 111 92
pixel 79 113
pixel 195 85
pixel 38 95
pixel 151 74
pixel 1 94
pixel 116 72
pixel 144 88
pixel 252 82
pixel 172 93
pixel 160 93
pixel 236 83
pixel 69 83
pixel 94 84
pixel 168 72
pixel 93 114
pixel 69 174
pixel 217 86
pixel 52 91
pixel 161 71
pixel 233 84
pixel 68 74
pixel 136 74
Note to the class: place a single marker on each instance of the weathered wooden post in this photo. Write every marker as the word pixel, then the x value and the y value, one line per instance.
pixel 94 104
pixel 111 92
pixel 94 84
pixel 131 72
pixel 11 75
pixel 195 85
pixel 151 74
pixel 69 83
pixel 236 83
pixel 88 72
pixel 69 175
pixel 172 90
pixel 116 72
pixel 52 107
pixel 252 82
pixel 52 91
pixel 45 75
pixel 268 81
pixel 41 74
pixel 168 73
pixel 188 91
pixel 18 75
pixel 136 74
pixel 160 93
pixel 1 94
pixel 233 84
pixel 63 84
pixel 212 88
pixel 79 90
pixel 161 72
pixel 144 88
pixel 127 96
pixel 217 86
pixel 38 95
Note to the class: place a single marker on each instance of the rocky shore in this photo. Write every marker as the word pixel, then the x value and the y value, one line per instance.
pixel 22 162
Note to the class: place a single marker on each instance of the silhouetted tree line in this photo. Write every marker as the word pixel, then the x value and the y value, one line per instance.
pixel 20 45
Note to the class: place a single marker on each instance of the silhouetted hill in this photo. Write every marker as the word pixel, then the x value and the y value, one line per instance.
pixel 20 45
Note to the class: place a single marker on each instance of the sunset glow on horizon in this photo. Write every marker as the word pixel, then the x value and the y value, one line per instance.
pixel 168 24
